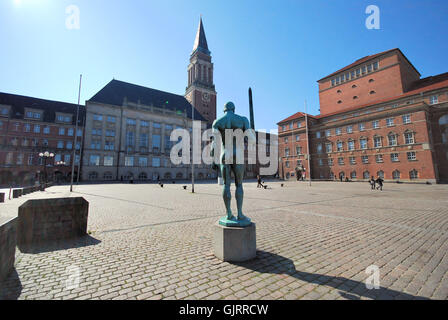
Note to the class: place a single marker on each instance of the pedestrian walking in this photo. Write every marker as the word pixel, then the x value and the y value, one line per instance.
pixel 372 183
pixel 379 181
pixel 259 185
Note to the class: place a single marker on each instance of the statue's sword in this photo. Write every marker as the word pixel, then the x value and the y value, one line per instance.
pixel 251 110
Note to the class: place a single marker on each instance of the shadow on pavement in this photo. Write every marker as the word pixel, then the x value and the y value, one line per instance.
pixel 11 287
pixel 267 262
pixel 57 245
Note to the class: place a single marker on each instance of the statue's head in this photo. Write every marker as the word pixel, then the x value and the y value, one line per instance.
pixel 229 107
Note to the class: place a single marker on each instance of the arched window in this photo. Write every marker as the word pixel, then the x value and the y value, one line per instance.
pixel 353 175
pixel 107 175
pixel 167 175
pixel 443 120
pixel 396 175
pixel 129 176
pixel 179 175
pixel 342 175
pixel 366 175
pixel 93 175
pixel 331 175
pixel 392 137
pixel 143 176
pixel 380 174
pixel 413 174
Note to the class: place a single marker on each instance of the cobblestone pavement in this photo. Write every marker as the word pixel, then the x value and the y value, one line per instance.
pixel 315 242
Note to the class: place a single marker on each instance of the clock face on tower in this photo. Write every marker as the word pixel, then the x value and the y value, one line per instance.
pixel 206 97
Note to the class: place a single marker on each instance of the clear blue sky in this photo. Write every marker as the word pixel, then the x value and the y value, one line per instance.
pixel 279 48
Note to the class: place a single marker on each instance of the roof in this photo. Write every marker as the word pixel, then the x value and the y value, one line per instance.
pixel 295 116
pixel 50 107
pixel 419 86
pixel 200 43
pixel 367 58
pixel 115 92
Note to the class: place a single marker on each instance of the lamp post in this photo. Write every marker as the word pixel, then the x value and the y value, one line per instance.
pixel 46 155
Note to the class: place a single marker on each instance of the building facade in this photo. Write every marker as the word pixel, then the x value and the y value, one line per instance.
pixel 128 129
pixel 378 118
pixel 31 126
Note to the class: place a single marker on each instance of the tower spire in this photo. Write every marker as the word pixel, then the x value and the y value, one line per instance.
pixel 200 43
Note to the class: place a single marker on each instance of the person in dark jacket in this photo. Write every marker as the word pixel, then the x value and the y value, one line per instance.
pixel 372 183
pixel 379 181
pixel 259 185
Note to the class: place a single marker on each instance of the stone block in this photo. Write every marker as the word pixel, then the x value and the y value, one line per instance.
pixel 47 220
pixel 8 240
pixel 16 193
pixel 2 197
pixel 234 244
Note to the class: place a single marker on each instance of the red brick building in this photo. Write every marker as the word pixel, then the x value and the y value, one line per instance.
pixel 378 118
pixel 30 126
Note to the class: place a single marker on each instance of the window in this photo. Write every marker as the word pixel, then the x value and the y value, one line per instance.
pixel 69 145
pixel 287 152
pixel 110 133
pixel 328 147
pixel 341 161
pixel 371 80
pixel 27 127
pixel 320 162
pixel 108 176
pixel 60 145
pixel 352 160
pixel 44 142
pixel 355 97
pixel 97 117
pixel 108 161
pixel 390 122
pixel 156 125
pixel 351 145
pixel 156 142
pixel 129 161
pixel 349 129
pixel 94 160
pixel 144 140
pixel 20 158
pixel 365 159
pixel 366 175
pixel 70 132
pixel 299 150
pixel 377 142
pixel 392 137
pixel 328 133
pixel 409 138
pixel 340 146
pixel 380 174
pixel 143 161
pixel 375 65
pixel 362 127
pixel 93 175
pixel 111 119
pixel 330 161
pixel 144 124
pixel 319 148
pixel 286 139
pixel 156 162
pixel 36 128
pixel 168 127
pixel 61 131
pixel 396 175
pixel 363 143
pixel 353 175
pixel 67 159
pixel 379 158
pixel 284 128
pixel 412 156
pixel 394 157
pixel 372 92
pixel 95 132
pixel 338 131
pixel 299 124
pixel 406 119
pixel 109 145
pixel 79 134
pixel 413 174
pixel 376 124
pixel 287 164
pixel 131 122
pixel 297 137
pixel 130 139
pixel 95 144
pixel 433 100
pixel 57 158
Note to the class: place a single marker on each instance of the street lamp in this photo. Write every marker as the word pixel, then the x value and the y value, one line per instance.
pixel 46 155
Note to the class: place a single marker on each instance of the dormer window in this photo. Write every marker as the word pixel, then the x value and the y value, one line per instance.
pixel 33 114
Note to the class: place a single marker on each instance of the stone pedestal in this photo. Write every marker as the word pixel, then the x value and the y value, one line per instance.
pixel 234 244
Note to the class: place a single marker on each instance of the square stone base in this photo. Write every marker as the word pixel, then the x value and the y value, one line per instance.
pixel 235 244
